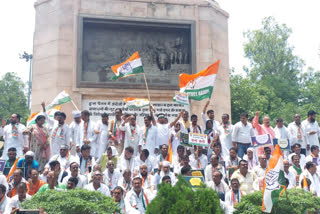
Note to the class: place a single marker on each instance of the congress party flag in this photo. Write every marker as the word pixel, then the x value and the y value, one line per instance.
pixel 131 67
pixel 134 103
pixel 200 85
pixel 62 98
pixel 32 119
pixel 274 182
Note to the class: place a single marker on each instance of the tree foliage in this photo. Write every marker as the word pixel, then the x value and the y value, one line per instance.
pixel 12 97
pixel 294 201
pixel 274 83
pixel 181 198
pixel 78 201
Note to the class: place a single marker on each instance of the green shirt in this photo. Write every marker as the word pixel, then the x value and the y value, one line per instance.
pixel 59 187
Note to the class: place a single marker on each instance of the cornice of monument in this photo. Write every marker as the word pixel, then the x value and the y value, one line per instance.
pixel 200 3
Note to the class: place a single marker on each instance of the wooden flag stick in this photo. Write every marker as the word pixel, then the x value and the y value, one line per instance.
pixel 74 105
pixel 145 80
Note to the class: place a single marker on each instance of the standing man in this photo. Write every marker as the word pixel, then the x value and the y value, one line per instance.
pixel 185 123
pixel 280 131
pixel 115 134
pixel 265 128
pixel 225 135
pixel 132 133
pixel 74 131
pixel 87 135
pixel 101 131
pixel 210 114
pixel 241 135
pixel 13 136
pixel 297 134
pixel 60 135
pixel 311 128
pixel 195 128
pixel 148 139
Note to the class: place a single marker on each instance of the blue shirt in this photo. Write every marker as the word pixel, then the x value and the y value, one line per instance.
pixel 22 164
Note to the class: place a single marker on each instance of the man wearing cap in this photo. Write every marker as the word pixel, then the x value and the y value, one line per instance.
pixel 60 135
pixel 163 170
pixel 74 130
pixel 64 157
pixel 101 131
pixel 163 128
pixel 87 135
pixel 311 129
pixel 132 133
pixel 28 163
pixel 13 136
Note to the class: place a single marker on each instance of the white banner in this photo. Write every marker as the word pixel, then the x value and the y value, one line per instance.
pixel 182 98
pixel 198 139
pixel 97 107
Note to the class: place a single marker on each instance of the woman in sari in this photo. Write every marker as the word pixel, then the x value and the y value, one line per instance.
pixel 39 141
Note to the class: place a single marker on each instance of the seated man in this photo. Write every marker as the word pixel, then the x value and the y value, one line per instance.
pixel 16 200
pixel 52 183
pixel 97 185
pixel 28 163
pixel 34 182
pixel 232 161
pixel 163 156
pixel 74 173
pixel 314 155
pixel 184 162
pixel 213 167
pixel 296 168
pixel 234 196
pixel 12 156
pixel 3 198
pixel 198 160
pixel 311 173
pixel 297 151
pixel 289 175
pixel 125 181
pixel 111 176
pixel 72 183
pixel 137 199
pixel 143 158
pixel 218 185
pixel 17 179
pixel 59 174
pixel 64 157
pixel 246 178
pixel 117 195
pixel 126 161
pixel 110 154
pixel 186 171
pixel 260 170
pixel 251 158
pixel 146 179
pixel 163 170
pixel 87 162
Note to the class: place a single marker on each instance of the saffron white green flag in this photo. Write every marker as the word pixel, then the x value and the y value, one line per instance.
pixel 32 119
pixel 274 182
pixel 200 85
pixel 130 67
pixel 133 103
pixel 62 98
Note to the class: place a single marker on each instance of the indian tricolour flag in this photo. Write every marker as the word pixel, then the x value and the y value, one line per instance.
pixel 133 103
pixel 32 119
pixel 274 182
pixel 130 67
pixel 200 85
pixel 62 98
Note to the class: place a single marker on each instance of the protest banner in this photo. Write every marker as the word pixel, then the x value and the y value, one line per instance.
pixel 283 143
pixel 181 98
pixel 260 142
pixel 198 139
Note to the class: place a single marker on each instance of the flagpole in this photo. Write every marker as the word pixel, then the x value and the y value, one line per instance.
pixel 74 105
pixel 145 80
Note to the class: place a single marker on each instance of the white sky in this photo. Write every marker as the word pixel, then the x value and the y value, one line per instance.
pixel 17 27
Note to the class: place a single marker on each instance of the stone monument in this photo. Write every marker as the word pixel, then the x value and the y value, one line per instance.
pixel 76 42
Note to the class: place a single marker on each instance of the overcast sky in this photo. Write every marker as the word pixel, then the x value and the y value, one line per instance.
pixel 17 24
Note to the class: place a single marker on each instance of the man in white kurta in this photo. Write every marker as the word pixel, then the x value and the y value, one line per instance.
pixel 138 198
pixel 75 130
pixel 13 136
pixel 126 161
pixel 311 129
pixel 111 176
pixel 87 134
pixel 148 139
pixel 225 135
pixel 280 131
pixel 297 133
pixel 132 134
pixel 60 135
pixel 97 185
pixel 210 113
pixel 102 135
pixel 310 173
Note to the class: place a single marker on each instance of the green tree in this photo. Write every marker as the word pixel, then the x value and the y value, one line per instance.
pixel 181 198
pixel 294 201
pixel 12 97
pixel 78 201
